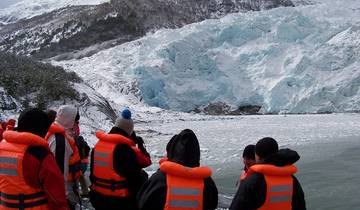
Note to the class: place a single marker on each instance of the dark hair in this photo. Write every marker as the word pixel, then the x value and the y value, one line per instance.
pixel 169 144
pixel 51 115
pixel 34 121
pixel 266 147
pixel 249 152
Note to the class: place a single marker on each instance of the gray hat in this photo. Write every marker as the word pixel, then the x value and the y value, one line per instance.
pixel 125 122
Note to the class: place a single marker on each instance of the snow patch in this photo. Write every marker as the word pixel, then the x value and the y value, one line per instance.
pixel 26 9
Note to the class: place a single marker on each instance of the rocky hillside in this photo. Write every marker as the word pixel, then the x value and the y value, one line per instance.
pixel 76 28
pixel 25 82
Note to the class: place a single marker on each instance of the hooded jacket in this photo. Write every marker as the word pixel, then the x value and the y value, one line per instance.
pixel 252 191
pixel 62 150
pixel 184 149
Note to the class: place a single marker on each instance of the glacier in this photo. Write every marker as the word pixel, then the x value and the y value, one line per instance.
pixel 294 60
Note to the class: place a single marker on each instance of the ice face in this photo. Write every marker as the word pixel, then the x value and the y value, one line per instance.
pixel 299 60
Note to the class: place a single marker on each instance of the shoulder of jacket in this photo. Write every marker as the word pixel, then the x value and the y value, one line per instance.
pixel 39 153
pixel 254 178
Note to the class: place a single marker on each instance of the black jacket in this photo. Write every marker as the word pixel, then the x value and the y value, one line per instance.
pixel 183 149
pixel 126 165
pixel 251 194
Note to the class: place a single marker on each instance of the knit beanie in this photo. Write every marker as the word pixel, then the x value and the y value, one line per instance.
pixel 266 147
pixel 125 122
pixel 249 152
pixel 34 121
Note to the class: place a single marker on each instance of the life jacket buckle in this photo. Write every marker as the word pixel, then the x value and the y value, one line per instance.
pixel 21 201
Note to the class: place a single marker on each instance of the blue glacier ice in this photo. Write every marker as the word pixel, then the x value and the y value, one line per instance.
pixel 297 60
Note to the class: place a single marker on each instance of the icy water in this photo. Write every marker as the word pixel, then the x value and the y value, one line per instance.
pixel 329 146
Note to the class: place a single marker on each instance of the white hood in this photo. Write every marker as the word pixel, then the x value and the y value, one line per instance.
pixel 65 117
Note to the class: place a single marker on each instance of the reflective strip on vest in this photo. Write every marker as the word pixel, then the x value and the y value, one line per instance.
pixel 6 170
pixel 185 191
pixel 280 188
pixel 9 171
pixel 101 154
pixel 8 160
pixel 279 198
pixel 179 203
pixel 101 163
pixel 184 204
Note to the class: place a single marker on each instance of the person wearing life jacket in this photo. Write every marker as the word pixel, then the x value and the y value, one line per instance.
pixel 29 176
pixel 62 144
pixel 248 160
pixel 180 183
pixel 270 183
pixel 84 151
pixel 116 167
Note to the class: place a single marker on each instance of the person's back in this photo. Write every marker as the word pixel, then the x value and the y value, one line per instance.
pixel 180 183
pixel 29 176
pixel 115 170
pixel 62 145
pixel 270 183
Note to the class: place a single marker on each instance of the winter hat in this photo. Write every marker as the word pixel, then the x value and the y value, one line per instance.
pixel 266 147
pixel 249 152
pixel 125 122
pixel 34 121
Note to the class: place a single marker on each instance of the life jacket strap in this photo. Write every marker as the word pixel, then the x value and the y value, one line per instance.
pixel 21 198
pixel 110 184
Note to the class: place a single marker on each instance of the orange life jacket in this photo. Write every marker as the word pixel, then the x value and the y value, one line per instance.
pixel 106 180
pixel 162 160
pixel 14 192
pixel 279 185
pixel 74 161
pixel 185 186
